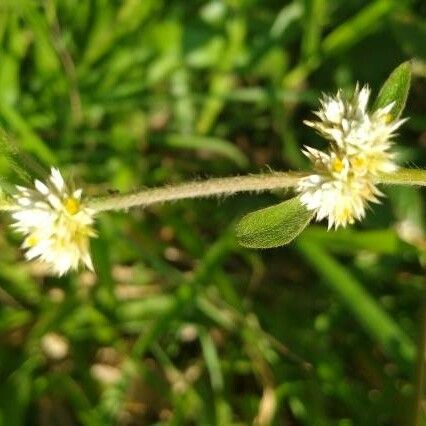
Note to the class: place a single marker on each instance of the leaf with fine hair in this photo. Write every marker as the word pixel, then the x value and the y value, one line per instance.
pixel 395 89
pixel 273 226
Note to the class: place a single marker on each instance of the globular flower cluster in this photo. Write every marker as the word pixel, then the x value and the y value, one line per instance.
pixel 344 177
pixel 56 224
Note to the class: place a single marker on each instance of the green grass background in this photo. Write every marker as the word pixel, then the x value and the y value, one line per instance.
pixel 180 326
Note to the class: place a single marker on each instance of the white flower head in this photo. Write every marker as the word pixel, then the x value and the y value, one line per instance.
pixel 334 192
pixel 360 143
pixel 351 128
pixel 56 224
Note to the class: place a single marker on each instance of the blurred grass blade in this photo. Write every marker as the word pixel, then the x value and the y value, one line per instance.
pixel 11 153
pixel 381 241
pixel 152 307
pixel 208 144
pixel 12 318
pixel 30 141
pixel 289 14
pixel 15 393
pixel 357 27
pixel 314 19
pixel 274 226
pixel 342 38
pixel 410 32
pixel 381 327
pixel 409 210
pixel 395 89
pixel 211 358
pixel 223 80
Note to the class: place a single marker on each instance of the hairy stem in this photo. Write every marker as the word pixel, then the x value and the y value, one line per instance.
pixel 217 186
pixel 232 185
pixel 224 187
pixel 404 177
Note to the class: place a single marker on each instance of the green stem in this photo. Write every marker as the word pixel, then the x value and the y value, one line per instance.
pixel 217 186
pixel 232 185
pixel 404 177
pixel 224 187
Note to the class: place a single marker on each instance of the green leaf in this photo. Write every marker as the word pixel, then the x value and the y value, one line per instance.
pixel 274 226
pixel 395 89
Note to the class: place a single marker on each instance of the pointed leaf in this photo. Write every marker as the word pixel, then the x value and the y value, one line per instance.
pixel 274 226
pixel 395 89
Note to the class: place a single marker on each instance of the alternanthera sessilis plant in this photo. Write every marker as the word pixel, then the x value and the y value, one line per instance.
pixel 57 220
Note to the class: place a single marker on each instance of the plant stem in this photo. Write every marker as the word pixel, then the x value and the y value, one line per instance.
pixel 224 187
pixel 232 185
pixel 217 186
pixel 404 177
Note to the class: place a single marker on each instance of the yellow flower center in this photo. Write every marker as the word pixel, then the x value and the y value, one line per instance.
pixel 359 162
pixel 387 118
pixel 31 240
pixel 337 165
pixel 72 205
pixel 345 215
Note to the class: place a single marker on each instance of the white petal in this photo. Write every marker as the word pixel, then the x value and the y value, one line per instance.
pixel 54 201
pixel 41 187
pixel 57 179
pixel 77 193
